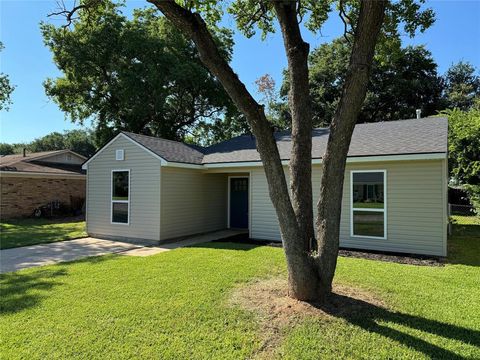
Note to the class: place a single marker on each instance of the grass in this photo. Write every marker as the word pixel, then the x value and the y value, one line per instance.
pixel 176 305
pixel 25 232
pixel 365 205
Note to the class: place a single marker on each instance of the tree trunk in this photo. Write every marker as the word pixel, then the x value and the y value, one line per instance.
pixel 299 102
pixel 341 130
pixel 192 25
pixel 310 277
pixel 303 276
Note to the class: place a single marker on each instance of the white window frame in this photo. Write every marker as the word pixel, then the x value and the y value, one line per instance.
pixel 119 155
pixel 119 201
pixel 384 210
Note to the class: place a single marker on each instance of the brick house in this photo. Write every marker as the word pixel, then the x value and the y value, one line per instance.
pixel 28 181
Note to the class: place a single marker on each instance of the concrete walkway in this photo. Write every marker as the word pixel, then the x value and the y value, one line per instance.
pixel 39 255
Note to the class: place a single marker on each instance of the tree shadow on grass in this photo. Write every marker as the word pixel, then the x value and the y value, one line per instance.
pixel 21 291
pixel 367 316
pixel 226 245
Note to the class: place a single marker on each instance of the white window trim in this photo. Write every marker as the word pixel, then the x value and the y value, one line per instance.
pixel 384 210
pixel 119 201
pixel 119 155
pixel 249 202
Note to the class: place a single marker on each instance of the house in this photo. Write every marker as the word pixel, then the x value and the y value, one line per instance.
pixel 30 180
pixel 395 189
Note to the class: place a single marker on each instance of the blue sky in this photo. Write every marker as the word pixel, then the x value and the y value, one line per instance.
pixel 455 36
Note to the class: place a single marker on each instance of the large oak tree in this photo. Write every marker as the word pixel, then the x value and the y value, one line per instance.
pixel 311 257
pixel 135 73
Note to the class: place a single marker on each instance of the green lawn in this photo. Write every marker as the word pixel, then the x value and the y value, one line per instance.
pixel 175 305
pixel 25 232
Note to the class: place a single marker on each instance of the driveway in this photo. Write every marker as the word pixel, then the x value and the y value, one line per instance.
pixel 45 254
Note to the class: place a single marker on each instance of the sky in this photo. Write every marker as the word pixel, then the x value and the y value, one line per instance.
pixel 455 36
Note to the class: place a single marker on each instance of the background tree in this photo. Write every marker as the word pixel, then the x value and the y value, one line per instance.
pixel 6 88
pixel 402 80
pixel 310 266
pixel 6 149
pixel 209 132
pixel 462 86
pixel 80 141
pixel 275 109
pixel 137 74
pixel 464 145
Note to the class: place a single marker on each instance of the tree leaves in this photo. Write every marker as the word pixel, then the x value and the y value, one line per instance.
pixel 136 74
pixel 6 89
pixel 464 145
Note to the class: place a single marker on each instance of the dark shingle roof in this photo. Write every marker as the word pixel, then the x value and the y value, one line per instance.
pixel 415 136
pixel 34 163
pixel 169 150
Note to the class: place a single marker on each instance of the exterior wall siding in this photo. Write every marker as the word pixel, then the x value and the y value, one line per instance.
pixel 192 202
pixel 21 195
pixel 144 214
pixel 65 158
pixel 416 203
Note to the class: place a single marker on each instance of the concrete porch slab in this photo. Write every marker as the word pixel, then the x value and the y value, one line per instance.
pixel 188 241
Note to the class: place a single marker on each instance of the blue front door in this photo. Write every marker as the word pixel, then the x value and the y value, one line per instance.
pixel 239 203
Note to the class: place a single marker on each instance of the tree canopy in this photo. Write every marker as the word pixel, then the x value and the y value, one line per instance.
pixel 139 74
pixel 6 88
pixel 462 86
pixel 464 145
pixel 401 82
pixel 80 141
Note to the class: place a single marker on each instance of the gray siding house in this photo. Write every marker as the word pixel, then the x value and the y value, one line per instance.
pixel 395 189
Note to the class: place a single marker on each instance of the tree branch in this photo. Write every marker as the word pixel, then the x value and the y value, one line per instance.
pixel 297 52
pixel 341 130
pixel 69 14
pixel 193 26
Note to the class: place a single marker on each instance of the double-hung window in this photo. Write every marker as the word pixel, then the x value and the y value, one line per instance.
pixel 368 204
pixel 120 197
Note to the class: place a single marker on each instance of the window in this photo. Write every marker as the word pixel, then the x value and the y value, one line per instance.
pixel 120 196
pixel 119 154
pixel 368 199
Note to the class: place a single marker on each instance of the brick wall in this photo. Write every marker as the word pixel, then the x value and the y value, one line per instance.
pixel 20 195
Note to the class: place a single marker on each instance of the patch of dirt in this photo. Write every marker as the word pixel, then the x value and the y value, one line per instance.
pixel 269 300
pixel 410 259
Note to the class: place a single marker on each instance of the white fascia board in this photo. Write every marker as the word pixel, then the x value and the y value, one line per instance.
pixel 359 159
pixel 238 164
pixel 183 165
pixel 406 157
pixel 85 164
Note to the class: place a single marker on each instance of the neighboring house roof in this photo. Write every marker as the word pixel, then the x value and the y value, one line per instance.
pixel 39 163
pixel 402 137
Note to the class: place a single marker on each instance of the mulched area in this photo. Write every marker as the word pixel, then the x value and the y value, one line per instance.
pixel 410 259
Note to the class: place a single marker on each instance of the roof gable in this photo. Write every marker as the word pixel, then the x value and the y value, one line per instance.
pixel 169 150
